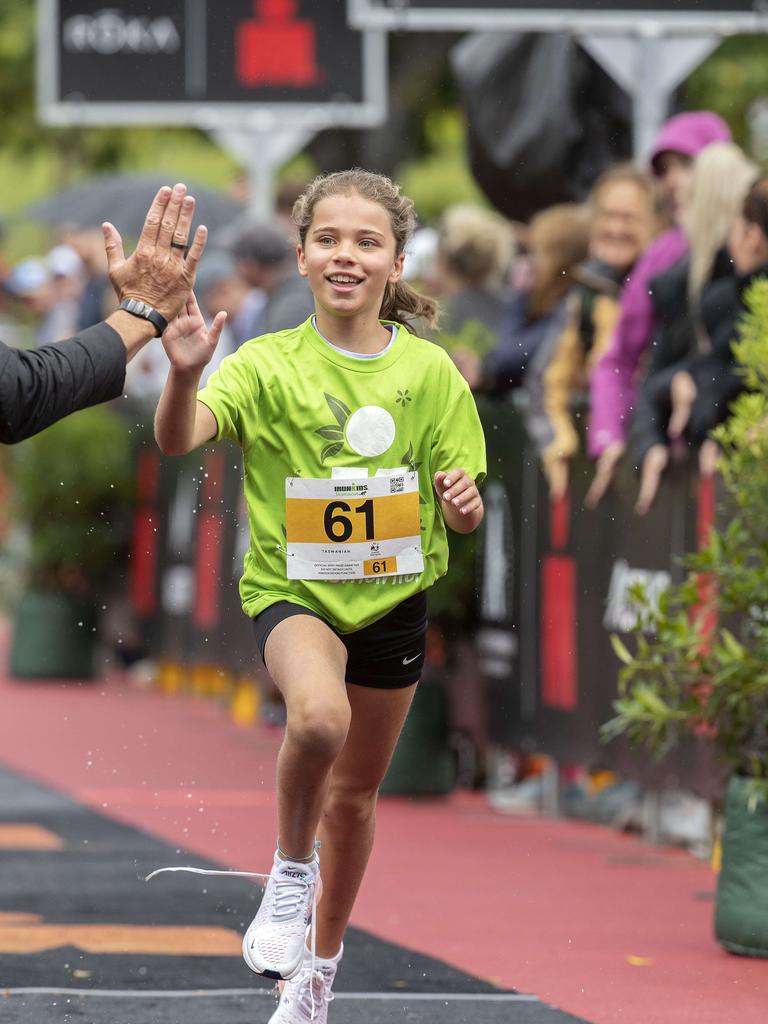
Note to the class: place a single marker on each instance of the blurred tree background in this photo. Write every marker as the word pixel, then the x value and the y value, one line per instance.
pixel 422 142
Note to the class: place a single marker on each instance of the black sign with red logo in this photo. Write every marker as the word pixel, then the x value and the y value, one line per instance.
pixel 186 53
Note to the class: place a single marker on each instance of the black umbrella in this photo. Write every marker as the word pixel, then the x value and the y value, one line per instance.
pixel 124 200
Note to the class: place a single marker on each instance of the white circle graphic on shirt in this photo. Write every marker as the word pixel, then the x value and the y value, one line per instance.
pixel 370 431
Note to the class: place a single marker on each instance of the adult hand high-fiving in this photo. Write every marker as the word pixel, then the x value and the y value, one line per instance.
pixel 152 285
pixel 161 271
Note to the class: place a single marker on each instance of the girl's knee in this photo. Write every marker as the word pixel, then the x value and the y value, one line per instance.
pixel 351 805
pixel 320 725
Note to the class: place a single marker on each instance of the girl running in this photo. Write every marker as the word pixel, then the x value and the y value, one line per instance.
pixel 361 442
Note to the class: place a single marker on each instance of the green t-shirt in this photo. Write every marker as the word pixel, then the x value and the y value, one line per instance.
pixel 298 408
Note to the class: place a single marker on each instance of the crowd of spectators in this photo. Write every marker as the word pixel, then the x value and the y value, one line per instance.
pixel 610 322
pixel 613 320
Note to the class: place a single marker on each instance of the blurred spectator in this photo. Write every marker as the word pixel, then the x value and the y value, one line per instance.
pixel 420 260
pixel 692 378
pixel 624 217
pixel 266 259
pixel 97 298
pixel 66 275
pixel 612 391
pixel 30 288
pixel 220 286
pixel 557 241
pixel 285 198
pixel 474 255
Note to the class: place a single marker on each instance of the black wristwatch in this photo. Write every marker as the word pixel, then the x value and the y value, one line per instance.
pixel 146 312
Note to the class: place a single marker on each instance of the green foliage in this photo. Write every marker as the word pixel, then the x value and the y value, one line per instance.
pixel 474 337
pixel 73 484
pixel 441 178
pixel 730 80
pixel 704 670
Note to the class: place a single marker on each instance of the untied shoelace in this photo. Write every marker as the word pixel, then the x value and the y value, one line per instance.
pixel 308 977
pixel 285 894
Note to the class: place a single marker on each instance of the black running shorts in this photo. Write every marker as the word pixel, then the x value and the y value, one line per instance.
pixel 387 655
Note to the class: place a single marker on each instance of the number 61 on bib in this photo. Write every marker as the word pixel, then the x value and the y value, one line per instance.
pixel 346 529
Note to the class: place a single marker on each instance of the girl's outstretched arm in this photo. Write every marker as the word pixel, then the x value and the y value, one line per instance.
pixel 460 500
pixel 181 422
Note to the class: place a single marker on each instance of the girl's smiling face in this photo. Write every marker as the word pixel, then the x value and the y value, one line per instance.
pixel 348 255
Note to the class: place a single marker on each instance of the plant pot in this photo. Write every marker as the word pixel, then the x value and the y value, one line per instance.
pixel 741 914
pixel 53 637
pixel 423 763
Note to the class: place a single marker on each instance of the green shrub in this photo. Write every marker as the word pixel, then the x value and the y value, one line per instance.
pixel 703 671
pixel 73 484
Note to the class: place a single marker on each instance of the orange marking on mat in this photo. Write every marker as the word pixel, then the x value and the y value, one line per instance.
pixel 151 940
pixel 28 837
pixel 11 917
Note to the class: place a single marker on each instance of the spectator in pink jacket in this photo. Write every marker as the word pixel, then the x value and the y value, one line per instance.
pixel 612 386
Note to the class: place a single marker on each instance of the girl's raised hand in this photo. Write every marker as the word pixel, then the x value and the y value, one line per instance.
pixel 188 343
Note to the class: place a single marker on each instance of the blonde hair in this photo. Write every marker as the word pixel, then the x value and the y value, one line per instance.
pixel 720 180
pixel 401 302
pixel 477 245
pixel 560 236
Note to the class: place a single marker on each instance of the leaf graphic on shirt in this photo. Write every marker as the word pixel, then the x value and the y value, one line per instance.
pixel 409 460
pixel 337 407
pixel 331 433
pixel 330 450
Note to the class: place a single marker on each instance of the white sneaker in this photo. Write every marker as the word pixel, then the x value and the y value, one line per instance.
pixel 306 996
pixel 274 945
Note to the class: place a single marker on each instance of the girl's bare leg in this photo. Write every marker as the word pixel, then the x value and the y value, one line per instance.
pixel 307 662
pixel 349 813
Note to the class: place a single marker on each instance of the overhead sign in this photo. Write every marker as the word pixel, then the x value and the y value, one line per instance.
pixel 262 63
pixel 527 15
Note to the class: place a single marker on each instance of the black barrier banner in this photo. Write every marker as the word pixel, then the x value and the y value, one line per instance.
pixel 572 574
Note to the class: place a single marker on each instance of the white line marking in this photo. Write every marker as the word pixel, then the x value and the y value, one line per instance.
pixel 404 997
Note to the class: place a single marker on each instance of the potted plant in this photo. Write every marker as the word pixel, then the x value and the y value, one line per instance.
pixel 703 670
pixel 71 486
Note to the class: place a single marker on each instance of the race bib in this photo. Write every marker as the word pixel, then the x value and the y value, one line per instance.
pixel 346 529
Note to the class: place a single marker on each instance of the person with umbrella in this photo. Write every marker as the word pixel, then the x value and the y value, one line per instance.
pixel 39 387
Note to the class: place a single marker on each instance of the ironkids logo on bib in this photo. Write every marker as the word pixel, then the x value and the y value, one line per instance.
pixel 346 529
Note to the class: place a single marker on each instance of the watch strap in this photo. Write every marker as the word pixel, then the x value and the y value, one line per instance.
pixel 136 307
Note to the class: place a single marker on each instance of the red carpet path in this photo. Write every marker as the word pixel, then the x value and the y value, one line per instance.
pixel 600 925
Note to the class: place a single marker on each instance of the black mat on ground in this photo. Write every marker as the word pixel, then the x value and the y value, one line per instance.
pixel 98 879
pixel 46 1009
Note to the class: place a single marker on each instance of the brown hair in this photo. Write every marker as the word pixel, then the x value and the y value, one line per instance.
pixel 401 302
pixel 630 173
pixel 560 235
pixel 755 208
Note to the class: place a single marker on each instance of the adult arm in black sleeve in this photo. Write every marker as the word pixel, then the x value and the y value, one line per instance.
pixel 41 386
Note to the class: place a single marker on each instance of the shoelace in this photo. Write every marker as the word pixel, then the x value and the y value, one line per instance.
pixel 288 894
pixel 309 979
pixel 289 898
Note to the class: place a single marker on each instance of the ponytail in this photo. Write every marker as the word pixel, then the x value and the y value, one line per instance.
pixel 404 304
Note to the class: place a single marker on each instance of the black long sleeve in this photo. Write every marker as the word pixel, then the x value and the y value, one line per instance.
pixel 41 386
